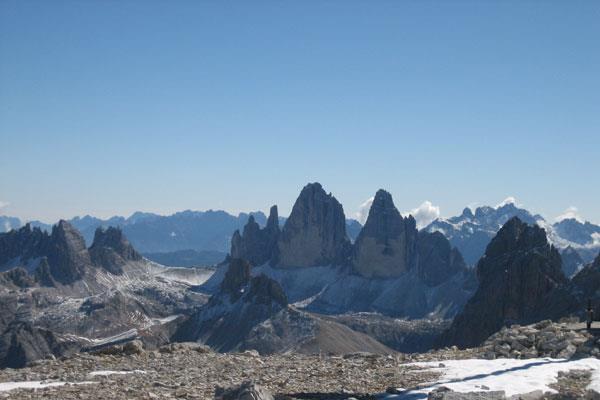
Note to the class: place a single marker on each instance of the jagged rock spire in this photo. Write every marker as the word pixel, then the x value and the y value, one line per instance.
pixel 111 250
pixel 315 232
pixel 256 245
pixel 387 244
pixel 67 254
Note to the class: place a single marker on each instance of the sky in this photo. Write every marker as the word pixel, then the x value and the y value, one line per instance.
pixel 109 107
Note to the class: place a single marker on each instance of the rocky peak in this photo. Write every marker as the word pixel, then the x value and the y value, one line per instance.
pixel 438 260
pixel 236 278
pixel 315 232
pixel 67 253
pixel 519 275
pixel 387 244
pixel 24 243
pixel 467 213
pixel 256 245
pixel 264 290
pixel 111 250
pixel 273 220
pixel 516 235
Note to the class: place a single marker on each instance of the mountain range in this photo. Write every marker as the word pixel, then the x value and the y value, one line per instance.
pixel 473 230
pixel 194 238
pixel 187 238
pixel 298 286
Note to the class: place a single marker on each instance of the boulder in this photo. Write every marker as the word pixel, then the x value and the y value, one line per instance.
pixel 246 391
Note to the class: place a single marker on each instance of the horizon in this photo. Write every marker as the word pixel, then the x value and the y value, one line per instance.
pixel 111 108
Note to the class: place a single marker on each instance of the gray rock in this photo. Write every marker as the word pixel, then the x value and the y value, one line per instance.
pixel 315 232
pixel 387 244
pixel 111 250
pixel 443 393
pixel 246 391
pixel 257 245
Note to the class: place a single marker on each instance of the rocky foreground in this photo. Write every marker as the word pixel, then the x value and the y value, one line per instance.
pixel 192 371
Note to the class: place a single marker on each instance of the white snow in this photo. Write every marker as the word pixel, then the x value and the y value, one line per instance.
pixel 5 386
pixel 109 372
pixel 510 375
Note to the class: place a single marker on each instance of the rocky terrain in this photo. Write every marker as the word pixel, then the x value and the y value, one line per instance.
pixel 253 313
pixel 57 296
pixel 194 371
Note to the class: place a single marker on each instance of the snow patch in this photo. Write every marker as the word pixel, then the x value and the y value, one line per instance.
pixel 5 386
pixel 510 375
pixel 109 372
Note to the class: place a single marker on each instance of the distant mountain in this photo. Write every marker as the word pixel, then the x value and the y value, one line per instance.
pixel 187 258
pixel 206 232
pixel 8 223
pixel 472 231
pixel 152 233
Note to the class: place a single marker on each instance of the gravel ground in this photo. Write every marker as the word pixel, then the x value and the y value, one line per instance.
pixel 189 371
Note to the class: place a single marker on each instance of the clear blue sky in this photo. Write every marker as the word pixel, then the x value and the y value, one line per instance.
pixel 107 107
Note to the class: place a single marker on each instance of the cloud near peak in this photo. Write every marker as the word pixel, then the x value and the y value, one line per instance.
pixel 570 213
pixel 425 214
pixel 363 210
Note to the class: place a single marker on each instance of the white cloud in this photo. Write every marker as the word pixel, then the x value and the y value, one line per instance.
pixel 3 204
pixel 363 210
pixel 570 213
pixel 508 200
pixel 425 214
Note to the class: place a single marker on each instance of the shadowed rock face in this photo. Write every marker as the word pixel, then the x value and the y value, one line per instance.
pixel 67 254
pixel 22 343
pixel 111 250
pixel 571 261
pixel 588 282
pixel 236 277
pixel 520 277
pixel 25 243
pixel 257 245
pixel 438 261
pixel 315 232
pixel 387 245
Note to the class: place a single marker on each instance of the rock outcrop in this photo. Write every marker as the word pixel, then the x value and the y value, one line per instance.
pixel 22 343
pixel 19 246
pixel 315 232
pixel 111 250
pixel 67 254
pixel 438 260
pixel 543 339
pixel 246 391
pixel 236 278
pixel 571 261
pixel 255 244
pixel 387 244
pixel 520 278
pixel 242 303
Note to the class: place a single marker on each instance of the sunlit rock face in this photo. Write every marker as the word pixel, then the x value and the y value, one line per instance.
pixel 315 232
pixel 387 245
